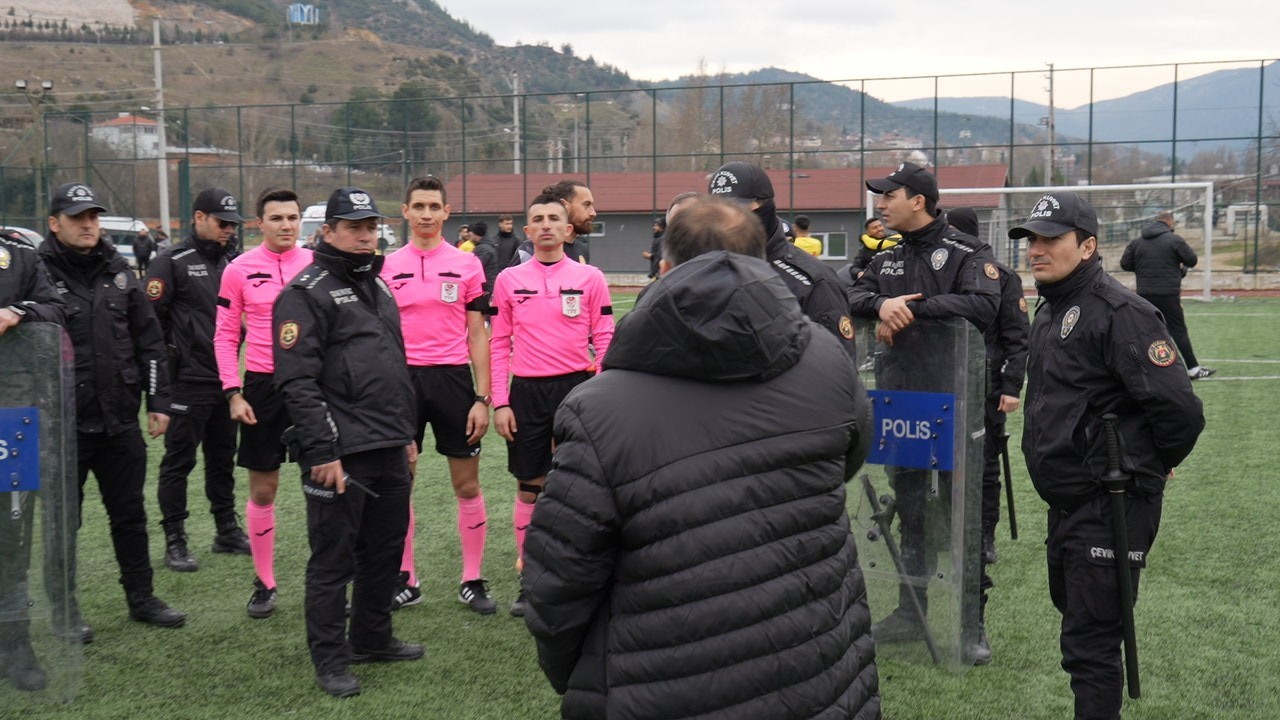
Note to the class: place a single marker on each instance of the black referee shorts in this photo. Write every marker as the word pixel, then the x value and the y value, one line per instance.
pixel 534 402
pixel 445 395
pixel 260 446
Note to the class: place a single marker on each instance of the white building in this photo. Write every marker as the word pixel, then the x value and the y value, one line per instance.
pixel 128 135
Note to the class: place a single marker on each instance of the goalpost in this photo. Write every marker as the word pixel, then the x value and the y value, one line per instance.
pixel 1123 210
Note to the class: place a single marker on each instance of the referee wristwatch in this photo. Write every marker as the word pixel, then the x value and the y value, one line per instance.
pixel 484 399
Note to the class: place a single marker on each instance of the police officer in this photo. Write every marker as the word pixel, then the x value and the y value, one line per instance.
pixel 1006 342
pixel 813 283
pixel 182 286
pixel 119 354
pixel 26 295
pixel 934 272
pixel 1096 349
pixel 340 363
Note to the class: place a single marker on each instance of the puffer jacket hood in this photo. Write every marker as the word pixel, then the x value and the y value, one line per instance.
pixel 720 317
pixel 1155 230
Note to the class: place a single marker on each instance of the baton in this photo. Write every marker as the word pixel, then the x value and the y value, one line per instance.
pixel 1003 437
pixel 883 518
pixel 1116 482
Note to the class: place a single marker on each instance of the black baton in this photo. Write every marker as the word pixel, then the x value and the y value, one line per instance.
pixel 884 520
pixel 1008 482
pixel 1116 483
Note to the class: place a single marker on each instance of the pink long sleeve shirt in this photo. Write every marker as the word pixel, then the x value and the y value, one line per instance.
pixel 250 285
pixel 434 290
pixel 547 317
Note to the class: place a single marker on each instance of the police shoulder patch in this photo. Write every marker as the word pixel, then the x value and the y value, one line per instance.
pixel 1022 304
pixel 155 288
pixel 991 271
pixel 846 327
pixel 1161 353
pixel 288 334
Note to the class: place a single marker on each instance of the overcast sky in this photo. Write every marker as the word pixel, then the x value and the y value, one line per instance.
pixel 842 39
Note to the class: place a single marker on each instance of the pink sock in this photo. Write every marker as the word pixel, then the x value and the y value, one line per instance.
pixel 521 515
pixel 472 530
pixel 406 560
pixel 261 523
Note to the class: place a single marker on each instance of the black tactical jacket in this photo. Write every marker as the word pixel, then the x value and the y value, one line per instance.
pixel 182 285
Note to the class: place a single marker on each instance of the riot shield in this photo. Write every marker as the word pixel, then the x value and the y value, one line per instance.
pixel 39 500
pixel 917 504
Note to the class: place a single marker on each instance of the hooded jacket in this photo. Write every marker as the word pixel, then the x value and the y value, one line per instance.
pixel 1158 260
pixel 691 555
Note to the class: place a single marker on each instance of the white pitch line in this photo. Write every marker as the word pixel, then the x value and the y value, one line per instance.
pixel 1242 361
pixel 1221 379
pixel 1268 315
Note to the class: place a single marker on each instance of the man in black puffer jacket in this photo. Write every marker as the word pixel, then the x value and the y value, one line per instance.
pixel 1159 260
pixel 707 568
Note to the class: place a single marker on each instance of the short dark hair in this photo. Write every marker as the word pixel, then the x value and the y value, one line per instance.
pixel 870 220
pixel 480 228
pixel 427 182
pixel 802 222
pixel 708 224
pixel 276 194
pixel 563 191
pixel 506 218
pixel 544 198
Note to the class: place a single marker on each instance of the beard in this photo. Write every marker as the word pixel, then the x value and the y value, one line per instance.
pixel 582 226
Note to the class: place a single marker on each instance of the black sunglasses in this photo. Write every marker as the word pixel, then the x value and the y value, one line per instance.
pixel 224 224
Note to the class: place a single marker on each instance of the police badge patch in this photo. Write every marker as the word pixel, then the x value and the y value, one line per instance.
pixel 1022 304
pixel 939 258
pixel 1069 321
pixel 4 258
pixel 1161 353
pixel 155 288
pixel 846 327
pixel 121 281
pixel 288 334
pixel 571 305
pixel 990 270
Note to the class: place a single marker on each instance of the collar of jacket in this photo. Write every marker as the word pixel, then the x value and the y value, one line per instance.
pixel 1085 274
pixel 211 249
pixel 932 229
pixel 351 266
pixel 103 255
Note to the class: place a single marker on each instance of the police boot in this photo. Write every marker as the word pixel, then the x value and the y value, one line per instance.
pixel 978 652
pixel 230 538
pixel 70 626
pixel 19 660
pixel 176 555
pixel 906 623
pixel 145 607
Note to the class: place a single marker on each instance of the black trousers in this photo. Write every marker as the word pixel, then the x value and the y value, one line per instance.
pixel 1170 306
pixel 924 529
pixel 206 421
pixel 1084 587
pixel 119 462
pixel 355 537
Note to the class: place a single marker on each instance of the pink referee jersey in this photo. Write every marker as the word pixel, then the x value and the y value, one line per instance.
pixel 546 317
pixel 250 285
pixel 435 289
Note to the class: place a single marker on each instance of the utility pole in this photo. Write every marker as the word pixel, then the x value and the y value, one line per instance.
pixel 37 98
pixel 1048 169
pixel 515 115
pixel 162 164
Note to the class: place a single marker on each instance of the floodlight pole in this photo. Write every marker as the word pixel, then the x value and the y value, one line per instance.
pixel 162 164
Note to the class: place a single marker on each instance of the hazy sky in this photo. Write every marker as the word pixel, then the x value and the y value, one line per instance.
pixel 837 40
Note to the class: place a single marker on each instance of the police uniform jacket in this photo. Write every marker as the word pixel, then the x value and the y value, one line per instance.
pixel 814 285
pixel 182 285
pixel 1098 348
pixel 703 565
pixel 1158 260
pixel 119 348
pixel 339 358
pixel 1006 338
pixel 24 285
pixel 956 274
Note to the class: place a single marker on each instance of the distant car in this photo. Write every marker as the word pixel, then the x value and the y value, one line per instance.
pixel 121 231
pixel 313 218
pixel 27 234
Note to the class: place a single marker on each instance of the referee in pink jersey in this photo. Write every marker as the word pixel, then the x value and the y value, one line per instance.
pixel 441 295
pixel 549 314
pixel 248 290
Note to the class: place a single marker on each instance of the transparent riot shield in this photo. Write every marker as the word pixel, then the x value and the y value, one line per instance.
pixel 39 512
pixel 917 504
